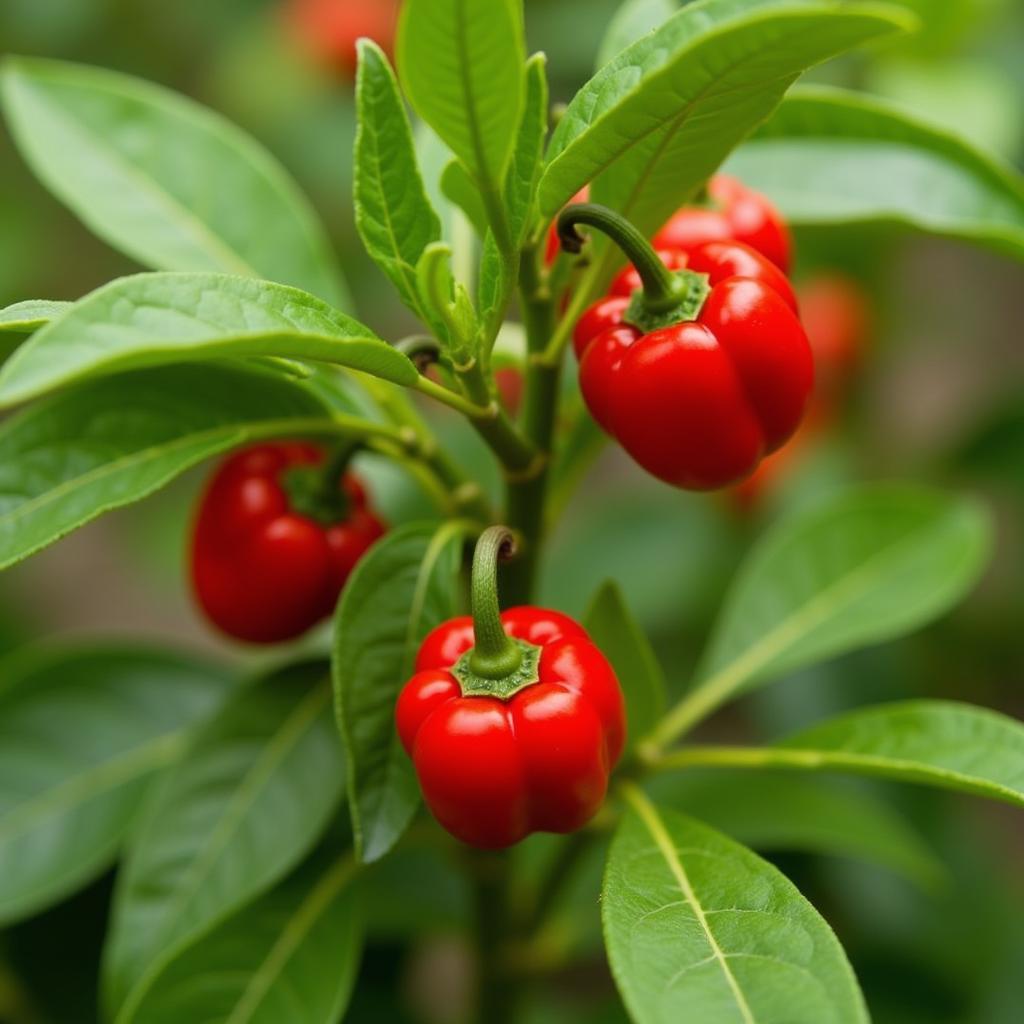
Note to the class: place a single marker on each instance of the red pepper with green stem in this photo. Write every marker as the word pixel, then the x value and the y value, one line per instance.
pixel 279 530
pixel 514 720
pixel 701 372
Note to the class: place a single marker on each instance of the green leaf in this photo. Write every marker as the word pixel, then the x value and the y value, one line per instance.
pixel 290 956
pixel 405 586
pixel 857 569
pixel 460 188
pixel 251 796
pixel 461 64
pixel 26 317
pixel 156 319
pixel 699 928
pixel 828 156
pixel 524 172
pixel 657 120
pixel 777 811
pixel 633 19
pixel 83 734
pixel 613 628
pixel 938 743
pixel 164 180
pixel 393 214
pixel 78 454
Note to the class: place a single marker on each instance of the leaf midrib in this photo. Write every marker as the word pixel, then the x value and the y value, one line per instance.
pixel 654 825
pixel 90 784
pixel 299 925
pixel 301 718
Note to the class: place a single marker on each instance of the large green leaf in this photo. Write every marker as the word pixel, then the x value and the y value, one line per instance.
pixel 168 182
pixel 161 318
pixel 461 64
pixel 940 743
pixel 772 811
pixel 832 157
pixel 857 569
pixel 75 455
pixel 405 586
pixel 613 628
pixel 290 956
pixel 82 734
pixel 699 928
pixel 657 120
pixel 393 214
pixel 26 317
pixel 248 800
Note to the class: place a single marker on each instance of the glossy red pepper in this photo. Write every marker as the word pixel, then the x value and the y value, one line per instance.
pixel 735 213
pixel 329 29
pixel 700 401
pixel 503 749
pixel 263 571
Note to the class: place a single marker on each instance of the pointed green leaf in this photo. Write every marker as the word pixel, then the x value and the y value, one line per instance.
pixel 155 319
pixel 290 956
pixel 84 733
pixel 393 214
pixel 657 120
pixel 78 454
pixel 613 628
pixel 938 743
pixel 856 569
pixel 461 64
pixel 161 178
pixel 699 928
pixel 405 586
pixel 833 157
pixel 249 799
pixel 26 317
pixel 524 172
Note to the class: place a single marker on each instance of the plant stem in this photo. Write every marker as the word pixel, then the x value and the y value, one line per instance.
pixel 496 994
pixel 526 496
pixel 518 455
pixel 495 653
pixel 561 869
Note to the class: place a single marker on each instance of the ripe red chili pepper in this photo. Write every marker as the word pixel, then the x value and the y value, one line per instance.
pixel 518 733
pixel 704 371
pixel 277 535
pixel 735 213
pixel 328 29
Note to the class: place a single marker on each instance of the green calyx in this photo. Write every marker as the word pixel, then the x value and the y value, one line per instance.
pixel 498 665
pixel 526 673
pixel 667 297
pixel 315 491
pixel 692 293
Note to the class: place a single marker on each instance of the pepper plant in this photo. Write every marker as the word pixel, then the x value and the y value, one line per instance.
pixel 263 829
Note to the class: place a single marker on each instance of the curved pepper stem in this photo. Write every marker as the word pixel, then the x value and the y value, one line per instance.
pixel 495 654
pixel 668 296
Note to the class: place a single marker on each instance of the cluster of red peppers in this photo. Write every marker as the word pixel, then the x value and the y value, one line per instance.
pixel 696 361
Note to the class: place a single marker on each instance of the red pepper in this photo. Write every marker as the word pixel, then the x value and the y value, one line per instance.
pixel 278 532
pixel 518 733
pixel 736 213
pixel 703 372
